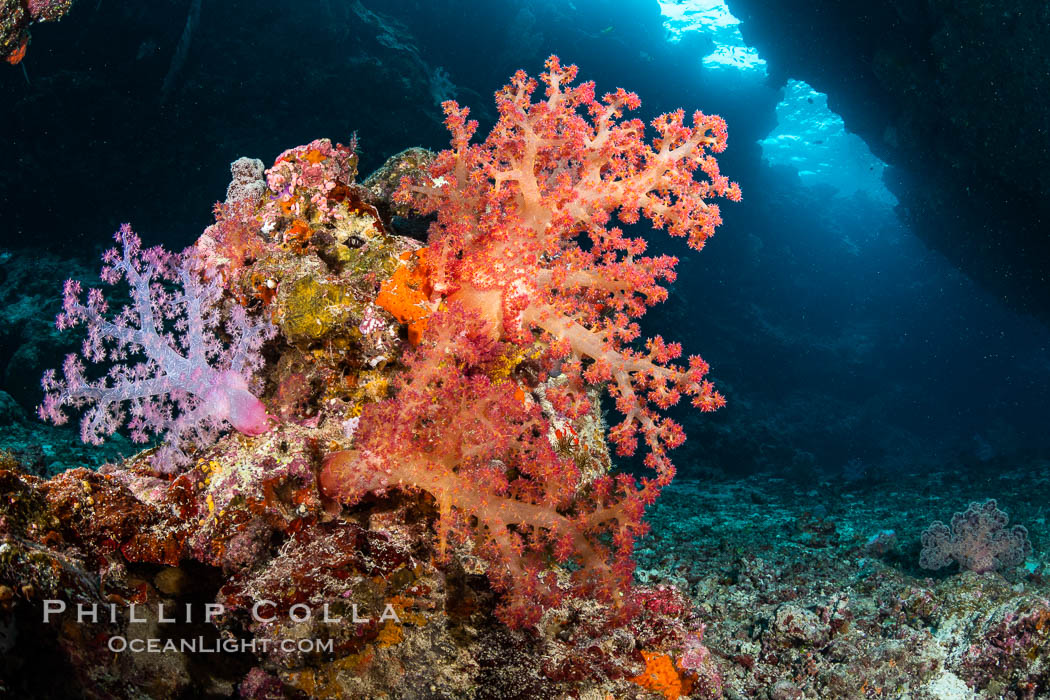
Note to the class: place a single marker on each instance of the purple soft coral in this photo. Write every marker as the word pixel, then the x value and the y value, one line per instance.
pixel 189 384
pixel 978 539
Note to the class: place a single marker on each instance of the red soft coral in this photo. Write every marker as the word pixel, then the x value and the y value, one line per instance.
pixel 505 252
pixel 472 443
pixel 511 213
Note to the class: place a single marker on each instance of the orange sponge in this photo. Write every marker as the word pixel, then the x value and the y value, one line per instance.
pixel 406 295
pixel 662 676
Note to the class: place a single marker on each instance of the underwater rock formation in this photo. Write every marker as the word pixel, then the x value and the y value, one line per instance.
pixel 245 530
pixel 433 513
pixel 953 95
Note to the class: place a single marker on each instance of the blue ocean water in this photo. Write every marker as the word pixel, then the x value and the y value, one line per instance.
pixel 872 380
pixel 814 293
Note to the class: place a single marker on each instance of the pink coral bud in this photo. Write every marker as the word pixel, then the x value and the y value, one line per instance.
pixel 247 414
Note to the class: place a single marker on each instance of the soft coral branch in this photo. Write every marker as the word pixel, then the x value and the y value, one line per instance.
pixel 187 384
pixel 524 257
pixel 478 447
pixel 512 210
